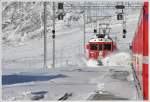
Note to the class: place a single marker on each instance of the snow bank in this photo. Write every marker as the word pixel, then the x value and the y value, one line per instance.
pixel 92 63
pixel 122 58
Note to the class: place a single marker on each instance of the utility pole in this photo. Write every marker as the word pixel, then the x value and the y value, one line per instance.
pixel 53 36
pixel 84 28
pixel 45 37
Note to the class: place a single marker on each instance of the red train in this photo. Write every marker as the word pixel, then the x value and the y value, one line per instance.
pixel 140 51
pixel 100 46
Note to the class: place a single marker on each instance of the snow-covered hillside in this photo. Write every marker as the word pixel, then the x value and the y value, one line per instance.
pixel 24 77
pixel 24 21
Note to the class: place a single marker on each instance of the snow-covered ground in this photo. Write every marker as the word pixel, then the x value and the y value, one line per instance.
pixel 24 77
pixel 81 82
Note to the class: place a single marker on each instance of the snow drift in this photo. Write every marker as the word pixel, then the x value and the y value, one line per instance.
pixel 92 63
pixel 122 58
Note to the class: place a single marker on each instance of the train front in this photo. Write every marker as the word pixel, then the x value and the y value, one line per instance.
pixel 100 47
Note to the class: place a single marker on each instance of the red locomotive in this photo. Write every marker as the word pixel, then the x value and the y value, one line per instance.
pixel 101 45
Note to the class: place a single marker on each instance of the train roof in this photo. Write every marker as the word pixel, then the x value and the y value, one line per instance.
pixel 95 39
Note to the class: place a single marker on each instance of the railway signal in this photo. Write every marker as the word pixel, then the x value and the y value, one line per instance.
pixel 60 11
pixel 95 31
pixel 120 15
pixel 124 33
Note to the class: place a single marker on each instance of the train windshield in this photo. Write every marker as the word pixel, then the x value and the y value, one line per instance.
pixel 101 47
pixel 93 46
pixel 107 47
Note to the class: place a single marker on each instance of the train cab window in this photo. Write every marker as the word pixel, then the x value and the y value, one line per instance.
pixel 93 46
pixel 100 47
pixel 107 47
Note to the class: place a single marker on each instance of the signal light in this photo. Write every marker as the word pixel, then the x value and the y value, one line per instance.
pixel 95 31
pixel 124 36
pixel 53 31
pixel 60 11
pixel 60 5
pixel 120 6
pixel 124 31
pixel 119 16
pixel 60 16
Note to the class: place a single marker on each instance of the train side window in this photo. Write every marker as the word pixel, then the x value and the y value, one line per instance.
pixel 100 47
pixel 93 46
pixel 107 46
